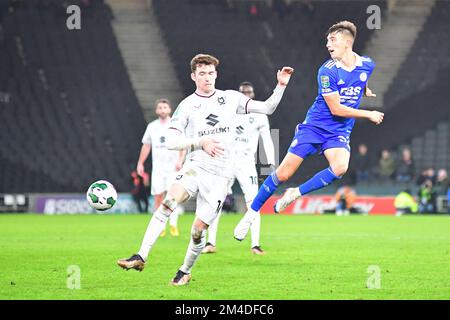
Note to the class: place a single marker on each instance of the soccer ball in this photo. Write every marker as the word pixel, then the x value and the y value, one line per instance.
pixel 101 195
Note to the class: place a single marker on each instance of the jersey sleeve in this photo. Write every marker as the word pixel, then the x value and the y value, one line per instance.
pixel 242 102
pixel 327 82
pixel 147 138
pixel 180 118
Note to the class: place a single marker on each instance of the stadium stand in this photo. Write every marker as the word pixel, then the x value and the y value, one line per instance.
pixel 417 102
pixel 72 116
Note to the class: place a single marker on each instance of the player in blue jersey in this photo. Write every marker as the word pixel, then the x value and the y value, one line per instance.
pixel 342 82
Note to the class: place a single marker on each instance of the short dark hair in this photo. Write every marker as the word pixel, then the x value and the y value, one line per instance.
pixel 343 26
pixel 162 100
pixel 205 59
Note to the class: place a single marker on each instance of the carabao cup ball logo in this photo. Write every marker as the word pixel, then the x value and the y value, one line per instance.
pixel 363 76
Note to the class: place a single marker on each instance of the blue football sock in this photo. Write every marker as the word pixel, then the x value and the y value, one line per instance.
pixel 320 180
pixel 265 191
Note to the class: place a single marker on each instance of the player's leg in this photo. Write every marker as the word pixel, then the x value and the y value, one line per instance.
pixel 176 194
pixel 287 168
pixel 210 246
pixel 173 219
pixel 212 191
pixel 338 159
pixel 158 200
pixel 196 244
pixel 248 181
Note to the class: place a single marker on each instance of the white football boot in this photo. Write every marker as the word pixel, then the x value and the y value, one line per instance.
pixel 242 228
pixel 288 197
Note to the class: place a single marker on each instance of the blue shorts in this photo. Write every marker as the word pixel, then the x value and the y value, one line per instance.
pixel 308 140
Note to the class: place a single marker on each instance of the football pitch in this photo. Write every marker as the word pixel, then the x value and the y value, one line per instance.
pixel 308 257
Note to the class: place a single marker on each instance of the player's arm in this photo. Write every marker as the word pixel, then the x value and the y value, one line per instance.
pixel 337 109
pixel 180 161
pixel 143 155
pixel 269 106
pixel 176 140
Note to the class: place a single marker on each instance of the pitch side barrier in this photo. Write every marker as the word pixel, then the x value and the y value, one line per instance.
pixel 75 203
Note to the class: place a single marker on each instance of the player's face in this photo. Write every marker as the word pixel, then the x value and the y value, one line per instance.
pixel 248 91
pixel 337 45
pixel 205 78
pixel 163 110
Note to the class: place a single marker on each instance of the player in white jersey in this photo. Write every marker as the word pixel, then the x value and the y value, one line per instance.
pixel 165 162
pixel 248 129
pixel 202 124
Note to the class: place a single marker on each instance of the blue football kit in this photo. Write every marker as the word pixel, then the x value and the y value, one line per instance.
pixel 322 130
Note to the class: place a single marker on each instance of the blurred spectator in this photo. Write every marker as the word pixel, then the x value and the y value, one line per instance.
pixel 386 165
pixel 442 182
pixel 140 191
pixel 405 168
pixel 361 164
pixel 427 174
pixel 404 202
pixel 345 198
pixel 253 10
pixel 427 198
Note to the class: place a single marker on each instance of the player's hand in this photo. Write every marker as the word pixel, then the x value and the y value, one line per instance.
pixel 140 169
pixel 376 117
pixel 178 165
pixel 284 75
pixel 212 147
pixel 368 93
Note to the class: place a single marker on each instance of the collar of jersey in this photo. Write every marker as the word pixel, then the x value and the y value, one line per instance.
pixel 206 96
pixel 358 63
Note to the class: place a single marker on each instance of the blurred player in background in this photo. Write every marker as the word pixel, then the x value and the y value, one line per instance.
pixel 165 162
pixel 203 124
pixel 248 129
pixel 342 82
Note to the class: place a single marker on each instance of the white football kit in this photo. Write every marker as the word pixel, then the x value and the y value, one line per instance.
pixel 163 159
pixel 248 128
pixel 203 175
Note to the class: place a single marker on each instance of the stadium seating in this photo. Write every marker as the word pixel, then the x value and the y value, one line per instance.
pixel 72 116
pixel 417 110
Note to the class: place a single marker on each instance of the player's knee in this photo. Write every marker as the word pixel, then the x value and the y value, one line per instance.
pixel 283 174
pixel 196 235
pixel 169 204
pixel 339 169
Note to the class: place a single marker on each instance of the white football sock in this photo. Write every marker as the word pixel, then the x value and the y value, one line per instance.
pixel 212 230
pixel 193 252
pixel 156 226
pixel 255 230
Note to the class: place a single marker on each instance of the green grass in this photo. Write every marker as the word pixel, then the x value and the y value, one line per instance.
pixel 308 257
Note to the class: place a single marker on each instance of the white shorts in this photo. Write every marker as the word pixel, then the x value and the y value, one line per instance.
pixel 211 190
pixel 161 181
pixel 246 175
